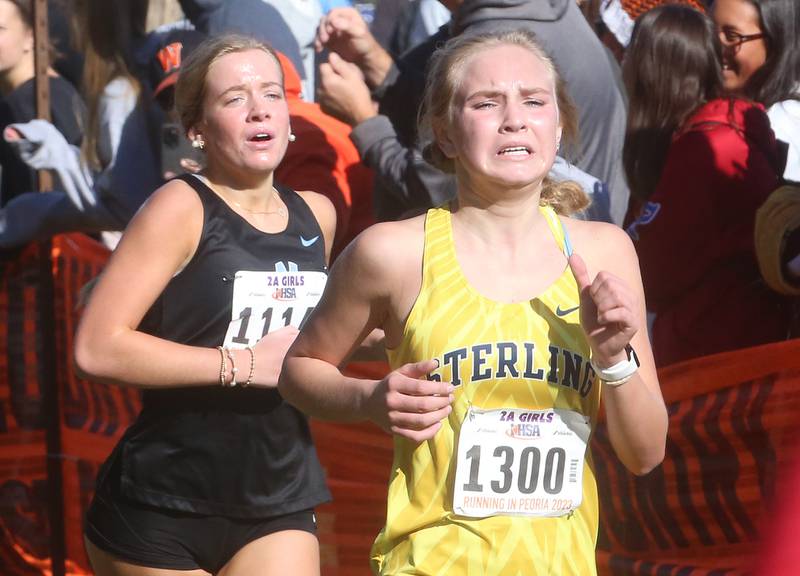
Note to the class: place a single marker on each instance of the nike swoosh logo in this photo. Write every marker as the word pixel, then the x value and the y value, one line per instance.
pixel 561 313
pixel 309 242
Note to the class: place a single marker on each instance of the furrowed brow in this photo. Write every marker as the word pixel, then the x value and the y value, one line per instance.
pixel 485 94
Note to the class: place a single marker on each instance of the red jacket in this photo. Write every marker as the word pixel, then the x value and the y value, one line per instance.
pixel 694 236
pixel 323 159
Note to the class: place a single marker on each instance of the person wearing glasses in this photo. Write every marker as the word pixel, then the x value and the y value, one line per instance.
pixel 699 163
pixel 761 61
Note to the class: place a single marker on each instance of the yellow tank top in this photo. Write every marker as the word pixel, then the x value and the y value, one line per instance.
pixel 530 355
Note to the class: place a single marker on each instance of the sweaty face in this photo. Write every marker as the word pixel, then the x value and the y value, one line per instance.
pixel 16 40
pixel 735 21
pixel 505 124
pixel 245 122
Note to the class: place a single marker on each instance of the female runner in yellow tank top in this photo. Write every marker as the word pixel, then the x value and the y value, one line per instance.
pixel 499 337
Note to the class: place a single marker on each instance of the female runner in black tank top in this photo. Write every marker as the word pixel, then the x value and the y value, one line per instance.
pixel 214 476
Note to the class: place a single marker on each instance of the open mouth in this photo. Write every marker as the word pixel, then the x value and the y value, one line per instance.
pixel 514 151
pixel 261 137
pixel 728 64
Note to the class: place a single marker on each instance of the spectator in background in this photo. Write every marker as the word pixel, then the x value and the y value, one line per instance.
pixel 388 141
pixel 68 61
pixel 613 19
pixel 699 166
pixel 323 159
pixel 176 154
pixel 18 103
pixel 299 16
pixel 761 61
pixel 255 18
pixel 113 92
pixel 384 20
pixel 420 20
pixel 104 183
pixel 302 16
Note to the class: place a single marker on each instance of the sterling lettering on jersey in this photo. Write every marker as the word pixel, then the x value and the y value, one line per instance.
pixel 502 360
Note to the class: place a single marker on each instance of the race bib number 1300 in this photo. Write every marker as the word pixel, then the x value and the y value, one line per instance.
pixel 520 462
pixel 266 301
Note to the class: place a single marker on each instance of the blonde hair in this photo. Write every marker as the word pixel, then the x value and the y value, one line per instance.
pixel 190 90
pixel 438 110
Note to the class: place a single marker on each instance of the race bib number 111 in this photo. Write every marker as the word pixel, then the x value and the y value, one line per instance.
pixel 520 462
pixel 266 301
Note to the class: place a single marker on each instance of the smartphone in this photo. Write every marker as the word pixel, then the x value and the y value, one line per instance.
pixel 177 153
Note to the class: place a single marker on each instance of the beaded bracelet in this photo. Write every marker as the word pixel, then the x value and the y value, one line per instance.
pixel 222 368
pixel 252 366
pixel 234 369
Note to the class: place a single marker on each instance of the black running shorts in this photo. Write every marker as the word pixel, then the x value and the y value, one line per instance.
pixel 161 538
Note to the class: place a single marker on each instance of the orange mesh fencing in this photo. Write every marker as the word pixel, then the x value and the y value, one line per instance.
pixel 91 416
pixel 733 429
pixel 636 8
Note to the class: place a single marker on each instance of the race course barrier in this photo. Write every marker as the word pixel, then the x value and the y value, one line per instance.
pixel 734 427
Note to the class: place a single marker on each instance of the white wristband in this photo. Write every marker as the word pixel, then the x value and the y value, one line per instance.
pixel 620 372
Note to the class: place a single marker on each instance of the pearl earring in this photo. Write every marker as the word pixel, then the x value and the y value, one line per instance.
pixel 292 137
pixel 198 143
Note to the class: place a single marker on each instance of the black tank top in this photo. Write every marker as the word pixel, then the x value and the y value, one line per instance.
pixel 240 452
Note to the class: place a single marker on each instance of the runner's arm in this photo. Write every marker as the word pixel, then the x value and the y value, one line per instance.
pixel 636 414
pixel 358 299
pixel 109 348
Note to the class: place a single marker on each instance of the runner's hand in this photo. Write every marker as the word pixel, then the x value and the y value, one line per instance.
pixel 608 313
pixel 407 404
